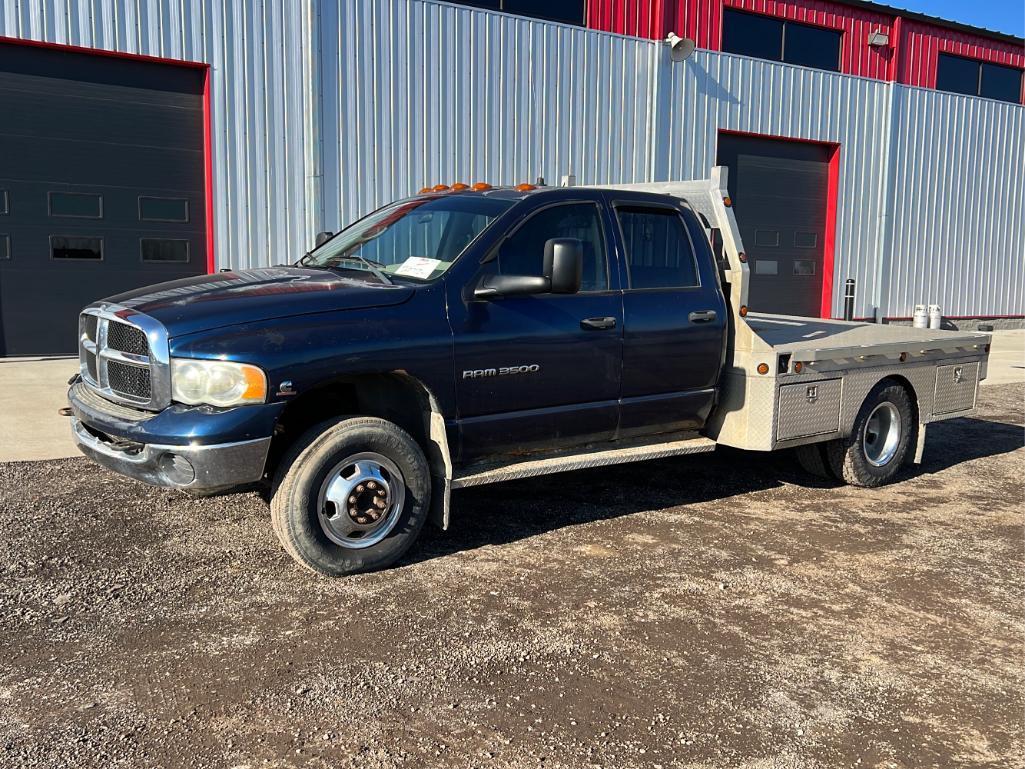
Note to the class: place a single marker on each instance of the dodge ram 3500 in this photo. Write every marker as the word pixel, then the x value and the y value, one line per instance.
pixel 472 335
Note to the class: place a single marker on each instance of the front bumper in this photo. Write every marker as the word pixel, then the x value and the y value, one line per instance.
pixel 211 466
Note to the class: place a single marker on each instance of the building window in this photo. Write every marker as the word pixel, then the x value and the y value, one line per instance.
pixel 766 37
pixel 5 246
pixel 163 209
pixel 804 266
pixel 564 11
pixel 978 78
pixel 5 207
pixel 75 247
pixel 659 253
pixel 81 205
pixel 164 250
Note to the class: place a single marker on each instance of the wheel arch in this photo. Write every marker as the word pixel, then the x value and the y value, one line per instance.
pixel 917 426
pixel 396 396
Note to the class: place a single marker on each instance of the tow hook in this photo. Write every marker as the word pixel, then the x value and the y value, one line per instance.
pixel 66 411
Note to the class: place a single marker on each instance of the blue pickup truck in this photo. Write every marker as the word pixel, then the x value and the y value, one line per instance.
pixel 470 335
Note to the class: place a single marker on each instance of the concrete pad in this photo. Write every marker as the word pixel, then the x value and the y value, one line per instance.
pixel 1007 357
pixel 31 392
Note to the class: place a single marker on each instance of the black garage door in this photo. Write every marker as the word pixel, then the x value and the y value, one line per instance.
pixel 780 190
pixel 101 186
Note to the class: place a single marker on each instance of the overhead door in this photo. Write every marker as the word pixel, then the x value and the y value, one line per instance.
pixel 101 186
pixel 780 190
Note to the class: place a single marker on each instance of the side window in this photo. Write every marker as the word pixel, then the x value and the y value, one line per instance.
pixel 659 253
pixel 523 252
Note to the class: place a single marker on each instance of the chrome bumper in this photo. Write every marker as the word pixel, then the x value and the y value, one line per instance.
pixel 216 466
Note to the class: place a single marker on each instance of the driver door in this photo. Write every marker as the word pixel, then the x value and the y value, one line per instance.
pixel 541 371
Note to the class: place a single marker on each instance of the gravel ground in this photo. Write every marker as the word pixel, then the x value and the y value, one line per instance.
pixel 708 611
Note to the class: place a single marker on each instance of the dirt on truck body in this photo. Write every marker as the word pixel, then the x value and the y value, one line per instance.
pixel 733 614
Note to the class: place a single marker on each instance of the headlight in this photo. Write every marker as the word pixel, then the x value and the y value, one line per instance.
pixel 216 382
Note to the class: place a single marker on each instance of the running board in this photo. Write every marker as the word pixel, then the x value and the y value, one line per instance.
pixel 581 460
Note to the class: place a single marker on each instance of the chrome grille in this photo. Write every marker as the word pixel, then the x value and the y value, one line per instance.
pixel 128 379
pixel 125 338
pixel 124 356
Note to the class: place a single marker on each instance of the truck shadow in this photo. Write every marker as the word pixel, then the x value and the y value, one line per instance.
pixel 507 512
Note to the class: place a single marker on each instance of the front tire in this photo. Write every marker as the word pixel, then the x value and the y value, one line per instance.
pixel 351 496
pixel 879 444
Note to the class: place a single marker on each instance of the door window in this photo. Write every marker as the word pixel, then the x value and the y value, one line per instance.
pixel 75 247
pixel 659 253
pixel 523 252
pixel 82 205
pixel 164 250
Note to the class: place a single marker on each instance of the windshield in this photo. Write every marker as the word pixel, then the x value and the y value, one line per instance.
pixel 416 239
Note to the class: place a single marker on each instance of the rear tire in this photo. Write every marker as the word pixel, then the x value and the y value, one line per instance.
pixel 880 442
pixel 814 460
pixel 351 496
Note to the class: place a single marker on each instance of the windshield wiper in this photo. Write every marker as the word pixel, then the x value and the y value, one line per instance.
pixel 370 263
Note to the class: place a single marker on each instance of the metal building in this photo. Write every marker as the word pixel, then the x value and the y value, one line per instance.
pixel 147 139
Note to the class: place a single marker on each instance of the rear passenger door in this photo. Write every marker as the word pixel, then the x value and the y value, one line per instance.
pixel 674 317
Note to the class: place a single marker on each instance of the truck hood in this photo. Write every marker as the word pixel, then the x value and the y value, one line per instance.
pixel 229 298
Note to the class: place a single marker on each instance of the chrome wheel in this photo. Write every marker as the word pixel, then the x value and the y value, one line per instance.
pixel 361 500
pixel 882 434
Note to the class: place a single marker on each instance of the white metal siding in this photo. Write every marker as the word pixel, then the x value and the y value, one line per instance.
pixel 958 205
pixel 420 93
pixel 324 110
pixel 260 60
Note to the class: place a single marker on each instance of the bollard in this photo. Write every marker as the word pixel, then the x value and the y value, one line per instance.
pixel 848 299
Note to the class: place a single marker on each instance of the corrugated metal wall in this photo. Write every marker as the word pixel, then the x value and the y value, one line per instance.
pixel 260 57
pixel 712 91
pixel 323 111
pixel 419 93
pixel 921 45
pixel 701 20
pixel 958 205
pixel 494 97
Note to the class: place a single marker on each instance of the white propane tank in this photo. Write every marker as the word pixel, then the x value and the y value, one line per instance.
pixel 921 317
pixel 935 316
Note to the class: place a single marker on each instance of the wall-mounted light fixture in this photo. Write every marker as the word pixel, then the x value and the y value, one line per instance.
pixel 878 39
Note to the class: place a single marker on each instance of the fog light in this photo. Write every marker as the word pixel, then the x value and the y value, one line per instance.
pixel 176 469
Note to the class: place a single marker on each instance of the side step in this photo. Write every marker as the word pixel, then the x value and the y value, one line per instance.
pixel 593 456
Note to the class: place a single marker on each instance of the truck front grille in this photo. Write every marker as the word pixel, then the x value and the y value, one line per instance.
pixel 128 379
pixel 125 338
pixel 118 359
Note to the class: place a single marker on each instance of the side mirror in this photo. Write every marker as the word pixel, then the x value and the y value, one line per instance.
pixel 322 238
pixel 497 286
pixel 562 267
pixel 564 264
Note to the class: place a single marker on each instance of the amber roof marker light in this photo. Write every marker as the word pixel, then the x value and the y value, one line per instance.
pixel 481 187
pixel 525 187
pixel 459 187
pixel 440 187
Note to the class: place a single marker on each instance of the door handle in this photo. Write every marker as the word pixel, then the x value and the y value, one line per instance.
pixel 701 316
pixel 598 324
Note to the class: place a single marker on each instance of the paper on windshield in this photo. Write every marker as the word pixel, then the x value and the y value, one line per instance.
pixel 418 267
